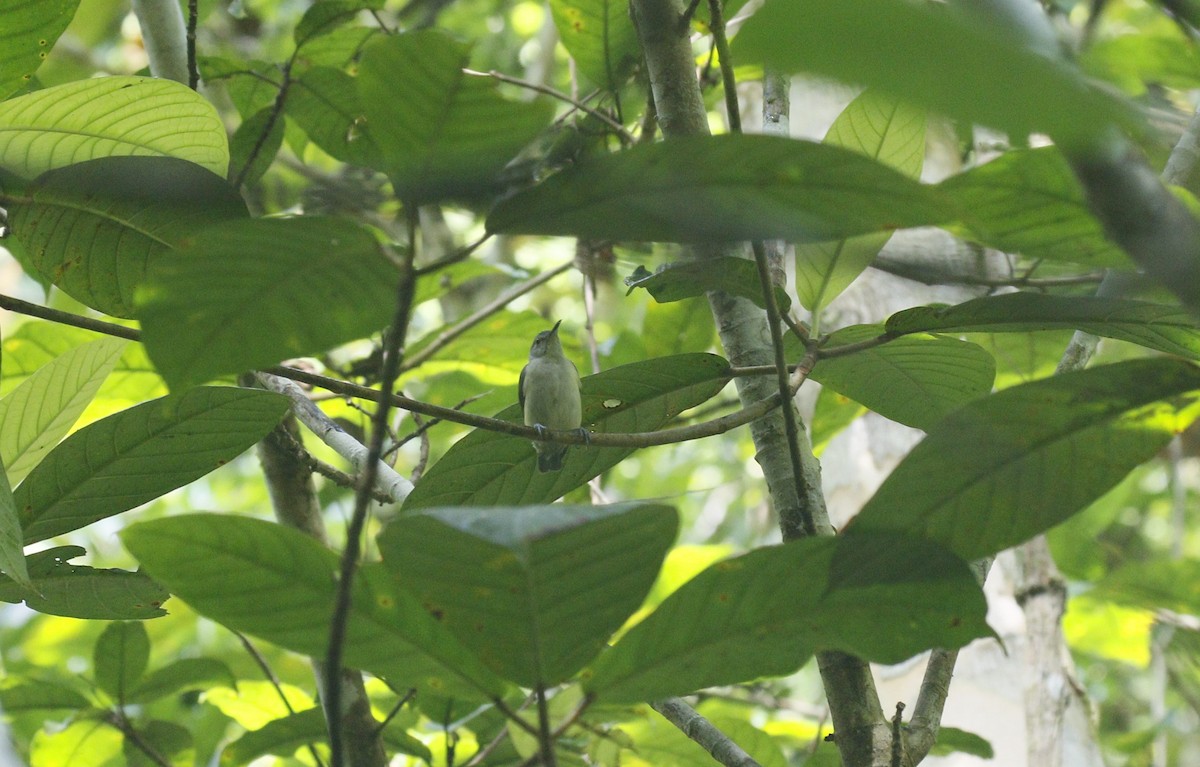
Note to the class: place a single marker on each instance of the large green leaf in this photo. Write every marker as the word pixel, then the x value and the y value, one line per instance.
pixel 535 591
pixel 915 380
pixel 1155 326
pixel 441 132
pixel 93 229
pixel 30 30
pixel 78 591
pixel 935 56
pixel 248 294
pixel 109 117
pixel 278 584
pixel 120 657
pixel 40 412
pixel 766 612
pixel 1007 467
pixel 883 129
pixel 141 453
pixel 1029 202
pixel 12 556
pixel 721 188
pixel 487 468
pixel 600 37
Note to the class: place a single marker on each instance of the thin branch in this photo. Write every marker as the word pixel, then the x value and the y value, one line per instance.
pixel 193 68
pixel 118 720
pixel 272 118
pixel 702 731
pixel 545 737
pixel 716 24
pixel 897 736
pixel 265 667
pixel 393 344
pixel 481 314
pixel 389 482
pixel 11 304
pixel 618 128
pixel 452 258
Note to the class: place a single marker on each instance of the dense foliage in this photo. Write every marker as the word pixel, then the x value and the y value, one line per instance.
pixel 356 195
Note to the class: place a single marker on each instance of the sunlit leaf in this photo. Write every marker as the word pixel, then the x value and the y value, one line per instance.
pixel 40 412
pixel 110 117
pixel 141 453
pixel 883 129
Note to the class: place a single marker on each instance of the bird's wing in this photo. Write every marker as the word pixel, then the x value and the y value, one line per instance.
pixel 521 387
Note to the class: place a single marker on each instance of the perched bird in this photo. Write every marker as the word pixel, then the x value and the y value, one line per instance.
pixel 549 394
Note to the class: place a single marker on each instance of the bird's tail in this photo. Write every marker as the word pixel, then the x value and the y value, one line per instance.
pixel 550 457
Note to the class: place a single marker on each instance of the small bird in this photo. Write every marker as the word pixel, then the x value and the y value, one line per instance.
pixel 549 395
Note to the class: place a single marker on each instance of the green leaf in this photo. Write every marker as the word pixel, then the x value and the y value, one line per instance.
pixel 12 556
pixel 442 133
pixel 915 380
pixel 933 56
pixel 721 188
pixel 832 413
pixel 1156 326
pixel 278 737
pixel 40 696
pixel 120 658
pixel 93 229
pixel 248 294
pixel 952 739
pixel 109 117
pixel 764 613
pixel 883 129
pixel 277 583
pixel 1029 202
pixel 324 17
pixel 675 282
pixel 324 102
pixel 254 146
pixel 535 591
pixel 76 591
pixel 180 676
pixel 82 743
pixel 486 468
pixel 600 37
pixel 40 412
pixel 990 475
pixel 141 453
pixel 31 27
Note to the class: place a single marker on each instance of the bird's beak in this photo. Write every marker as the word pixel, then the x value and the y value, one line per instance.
pixel 554 330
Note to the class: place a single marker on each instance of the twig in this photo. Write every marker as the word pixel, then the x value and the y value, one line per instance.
pixel 452 258
pixel 898 736
pixel 716 23
pixel 481 314
pixel 618 128
pixel 390 483
pixel 545 737
pixel 263 666
pixel 393 343
pixel 702 731
pixel 192 20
